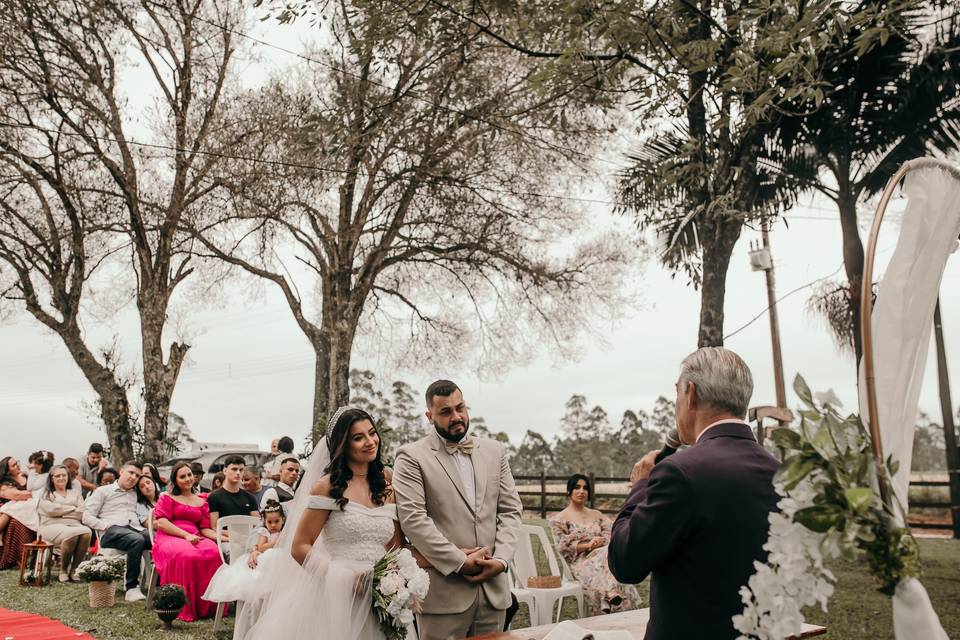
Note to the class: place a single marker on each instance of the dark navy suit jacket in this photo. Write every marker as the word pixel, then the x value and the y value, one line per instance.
pixel 697 524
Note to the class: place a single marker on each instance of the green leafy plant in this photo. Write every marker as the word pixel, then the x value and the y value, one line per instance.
pixel 834 453
pixel 101 569
pixel 169 597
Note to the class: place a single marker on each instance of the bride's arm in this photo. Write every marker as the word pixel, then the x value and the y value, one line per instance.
pixel 311 523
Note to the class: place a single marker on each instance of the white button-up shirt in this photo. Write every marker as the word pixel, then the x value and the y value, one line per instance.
pixel 467 476
pixel 111 505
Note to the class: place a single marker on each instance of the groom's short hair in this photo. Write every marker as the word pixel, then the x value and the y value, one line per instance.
pixel 440 388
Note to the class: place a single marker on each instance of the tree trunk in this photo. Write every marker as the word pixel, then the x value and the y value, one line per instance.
pixel 333 350
pixel 112 397
pixel 717 237
pixel 853 257
pixel 159 378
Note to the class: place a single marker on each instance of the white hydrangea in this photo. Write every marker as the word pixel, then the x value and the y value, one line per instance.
pixel 794 575
pixel 419 585
pixel 391 583
pixel 405 617
pixel 407 563
pixel 402 596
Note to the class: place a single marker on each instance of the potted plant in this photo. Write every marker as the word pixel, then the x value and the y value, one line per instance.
pixel 167 603
pixel 100 573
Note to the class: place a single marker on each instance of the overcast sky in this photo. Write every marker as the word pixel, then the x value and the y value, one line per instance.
pixel 250 371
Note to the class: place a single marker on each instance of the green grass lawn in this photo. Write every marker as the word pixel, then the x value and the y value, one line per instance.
pixel 857 611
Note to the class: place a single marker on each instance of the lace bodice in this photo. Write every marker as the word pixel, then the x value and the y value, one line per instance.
pixel 358 532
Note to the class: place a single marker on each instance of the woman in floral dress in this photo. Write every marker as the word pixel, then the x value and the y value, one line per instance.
pixel 581 535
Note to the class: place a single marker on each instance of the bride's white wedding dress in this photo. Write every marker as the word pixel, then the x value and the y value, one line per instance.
pixel 322 599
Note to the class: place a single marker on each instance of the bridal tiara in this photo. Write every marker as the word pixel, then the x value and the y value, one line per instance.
pixel 333 420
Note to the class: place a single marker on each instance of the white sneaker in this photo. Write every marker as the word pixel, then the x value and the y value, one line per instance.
pixel 134 595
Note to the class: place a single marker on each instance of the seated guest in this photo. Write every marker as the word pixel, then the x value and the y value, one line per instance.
pixel 217 481
pixel 184 552
pixel 581 535
pixel 90 467
pixel 40 464
pixel 251 484
pixel 283 492
pixel 111 511
pixel 230 499
pixel 197 470
pixel 697 521
pixel 73 468
pixel 281 448
pixel 16 505
pixel 147 495
pixel 107 475
pixel 61 521
pixel 151 470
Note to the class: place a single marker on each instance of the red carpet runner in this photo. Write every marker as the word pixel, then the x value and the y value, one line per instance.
pixel 17 625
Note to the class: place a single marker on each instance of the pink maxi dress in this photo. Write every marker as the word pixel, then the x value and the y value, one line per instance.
pixel 179 562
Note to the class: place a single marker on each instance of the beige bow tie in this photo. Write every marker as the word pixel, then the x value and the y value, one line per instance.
pixel 465 446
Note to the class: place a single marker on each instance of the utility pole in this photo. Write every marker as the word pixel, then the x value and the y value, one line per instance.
pixel 949 430
pixel 762 260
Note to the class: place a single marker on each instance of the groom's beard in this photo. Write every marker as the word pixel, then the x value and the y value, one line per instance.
pixel 451 438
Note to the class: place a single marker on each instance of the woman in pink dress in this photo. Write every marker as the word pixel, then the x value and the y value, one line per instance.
pixel 582 535
pixel 184 550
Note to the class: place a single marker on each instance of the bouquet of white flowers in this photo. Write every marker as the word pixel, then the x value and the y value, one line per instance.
pixel 399 587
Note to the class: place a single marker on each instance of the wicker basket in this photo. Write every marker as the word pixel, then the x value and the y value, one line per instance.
pixel 102 594
pixel 543 582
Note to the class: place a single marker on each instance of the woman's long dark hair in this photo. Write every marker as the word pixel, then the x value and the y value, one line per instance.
pixel 50 487
pixel 45 458
pixel 339 468
pixel 173 489
pixel 572 484
pixel 8 478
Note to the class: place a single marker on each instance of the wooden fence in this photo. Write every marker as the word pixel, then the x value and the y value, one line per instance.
pixel 538 499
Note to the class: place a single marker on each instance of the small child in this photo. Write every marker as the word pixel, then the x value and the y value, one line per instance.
pixel 273 521
pixel 238 580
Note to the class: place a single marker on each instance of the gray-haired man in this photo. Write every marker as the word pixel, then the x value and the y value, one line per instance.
pixel 698 519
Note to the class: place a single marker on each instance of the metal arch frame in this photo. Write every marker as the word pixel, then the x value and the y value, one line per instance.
pixel 866 307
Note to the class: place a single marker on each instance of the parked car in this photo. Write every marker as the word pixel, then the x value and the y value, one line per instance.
pixel 214 454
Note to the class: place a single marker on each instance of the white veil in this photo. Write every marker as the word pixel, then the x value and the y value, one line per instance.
pixel 318 600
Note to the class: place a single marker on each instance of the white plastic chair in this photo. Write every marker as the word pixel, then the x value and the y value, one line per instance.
pixel 108 552
pixel 526 567
pixel 150 574
pixel 239 528
pixel 523 596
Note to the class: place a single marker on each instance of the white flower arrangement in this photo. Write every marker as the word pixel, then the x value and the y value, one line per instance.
pixel 102 569
pixel 829 508
pixel 399 587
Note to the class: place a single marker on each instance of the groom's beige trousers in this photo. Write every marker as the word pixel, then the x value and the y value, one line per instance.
pixel 477 620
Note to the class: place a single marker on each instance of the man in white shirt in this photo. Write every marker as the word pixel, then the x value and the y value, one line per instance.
pixel 111 510
pixel 283 492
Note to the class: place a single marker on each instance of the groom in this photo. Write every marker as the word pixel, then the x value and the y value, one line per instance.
pixel 456 492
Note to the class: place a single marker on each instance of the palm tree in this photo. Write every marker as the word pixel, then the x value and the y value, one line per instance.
pixel 893 103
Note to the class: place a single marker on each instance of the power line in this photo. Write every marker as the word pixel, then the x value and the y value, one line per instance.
pixel 780 299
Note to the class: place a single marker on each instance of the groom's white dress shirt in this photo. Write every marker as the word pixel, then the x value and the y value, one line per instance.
pixel 468 477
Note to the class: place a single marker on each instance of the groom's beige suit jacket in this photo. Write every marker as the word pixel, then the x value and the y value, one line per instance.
pixel 439 520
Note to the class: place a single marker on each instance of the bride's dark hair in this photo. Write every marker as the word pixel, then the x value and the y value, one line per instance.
pixel 339 469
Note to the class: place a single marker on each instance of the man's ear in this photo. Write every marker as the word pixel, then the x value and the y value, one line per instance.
pixel 690 396
pixel 429 415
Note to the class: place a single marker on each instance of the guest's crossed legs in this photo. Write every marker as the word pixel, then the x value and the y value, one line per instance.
pixel 479 619
pixel 134 543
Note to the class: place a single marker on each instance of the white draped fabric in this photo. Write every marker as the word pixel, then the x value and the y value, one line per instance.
pixel 902 321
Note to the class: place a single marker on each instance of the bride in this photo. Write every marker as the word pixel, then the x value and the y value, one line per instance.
pixel 341 521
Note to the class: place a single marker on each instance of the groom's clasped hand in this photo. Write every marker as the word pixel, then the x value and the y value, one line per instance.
pixel 480 565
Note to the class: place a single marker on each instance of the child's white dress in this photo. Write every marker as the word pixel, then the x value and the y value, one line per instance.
pixel 237 581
